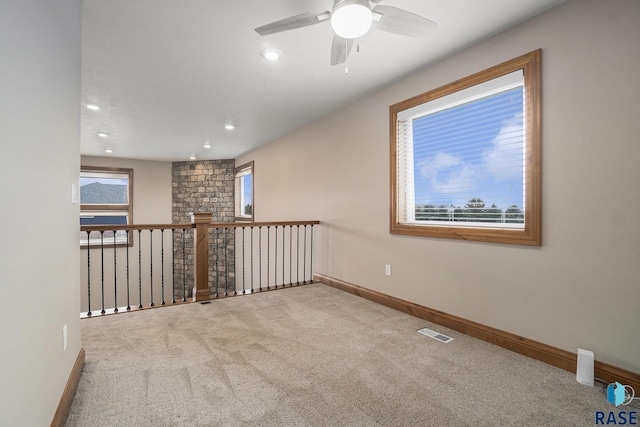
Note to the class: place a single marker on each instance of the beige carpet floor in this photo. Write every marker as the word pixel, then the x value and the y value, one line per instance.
pixel 310 356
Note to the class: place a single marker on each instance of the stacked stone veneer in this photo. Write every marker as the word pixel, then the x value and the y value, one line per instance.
pixel 204 186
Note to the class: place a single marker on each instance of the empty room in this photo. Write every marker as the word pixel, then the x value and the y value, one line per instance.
pixel 320 212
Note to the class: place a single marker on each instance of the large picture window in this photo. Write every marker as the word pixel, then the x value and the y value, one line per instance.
pixel 105 199
pixel 465 158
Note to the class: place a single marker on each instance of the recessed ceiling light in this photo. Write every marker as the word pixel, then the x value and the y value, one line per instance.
pixel 103 134
pixel 271 54
pixel 94 107
pixel 229 126
pixel 207 144
pixel 108 150
pixel 192 157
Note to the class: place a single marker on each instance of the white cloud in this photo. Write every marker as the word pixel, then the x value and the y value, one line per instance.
pixel 461 179
pixel 504 159
pixel 448 173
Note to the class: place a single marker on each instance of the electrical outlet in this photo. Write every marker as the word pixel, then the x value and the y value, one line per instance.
pixel 64 338
pixel 387 269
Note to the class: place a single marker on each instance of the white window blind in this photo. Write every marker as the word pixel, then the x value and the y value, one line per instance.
pixel 460 158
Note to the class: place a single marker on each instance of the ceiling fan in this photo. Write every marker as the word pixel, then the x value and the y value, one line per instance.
pixel 351 19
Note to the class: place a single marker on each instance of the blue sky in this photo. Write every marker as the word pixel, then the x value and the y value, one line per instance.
pixel 248 188
pixel 472 150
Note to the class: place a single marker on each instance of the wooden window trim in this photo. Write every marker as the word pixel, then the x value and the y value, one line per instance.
pixel 530 64
pixel 124 207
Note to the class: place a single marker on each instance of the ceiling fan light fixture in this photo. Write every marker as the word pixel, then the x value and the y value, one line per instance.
pixel 351 19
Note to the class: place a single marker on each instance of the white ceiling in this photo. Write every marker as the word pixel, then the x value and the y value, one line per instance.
pixel 169 74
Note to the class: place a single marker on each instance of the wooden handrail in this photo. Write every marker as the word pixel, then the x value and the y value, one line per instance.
pixel 136 227
pixel 260 224
pixel 187 226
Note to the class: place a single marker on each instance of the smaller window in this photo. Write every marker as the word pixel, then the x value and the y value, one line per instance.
pixel 106 198
pixel 244 192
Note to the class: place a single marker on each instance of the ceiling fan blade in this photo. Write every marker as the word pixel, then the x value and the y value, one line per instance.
pixel 340 49
pixel 375 1
pixel 399 21
pixel 297 21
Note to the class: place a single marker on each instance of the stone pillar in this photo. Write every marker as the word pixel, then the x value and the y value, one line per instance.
pixel 204 186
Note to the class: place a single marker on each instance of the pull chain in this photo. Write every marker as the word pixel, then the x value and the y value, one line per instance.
pixel 346 56
pixel 346 66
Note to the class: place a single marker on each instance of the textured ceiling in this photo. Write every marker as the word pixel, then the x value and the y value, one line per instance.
pixel 169 74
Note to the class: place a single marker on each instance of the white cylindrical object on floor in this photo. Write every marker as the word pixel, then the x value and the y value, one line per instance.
pixel 584 372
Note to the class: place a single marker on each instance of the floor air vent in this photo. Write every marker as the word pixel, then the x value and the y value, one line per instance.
pixel 435 335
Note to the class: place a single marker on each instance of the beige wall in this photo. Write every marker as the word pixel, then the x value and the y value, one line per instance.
pixel 39 252
pixel 581 288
